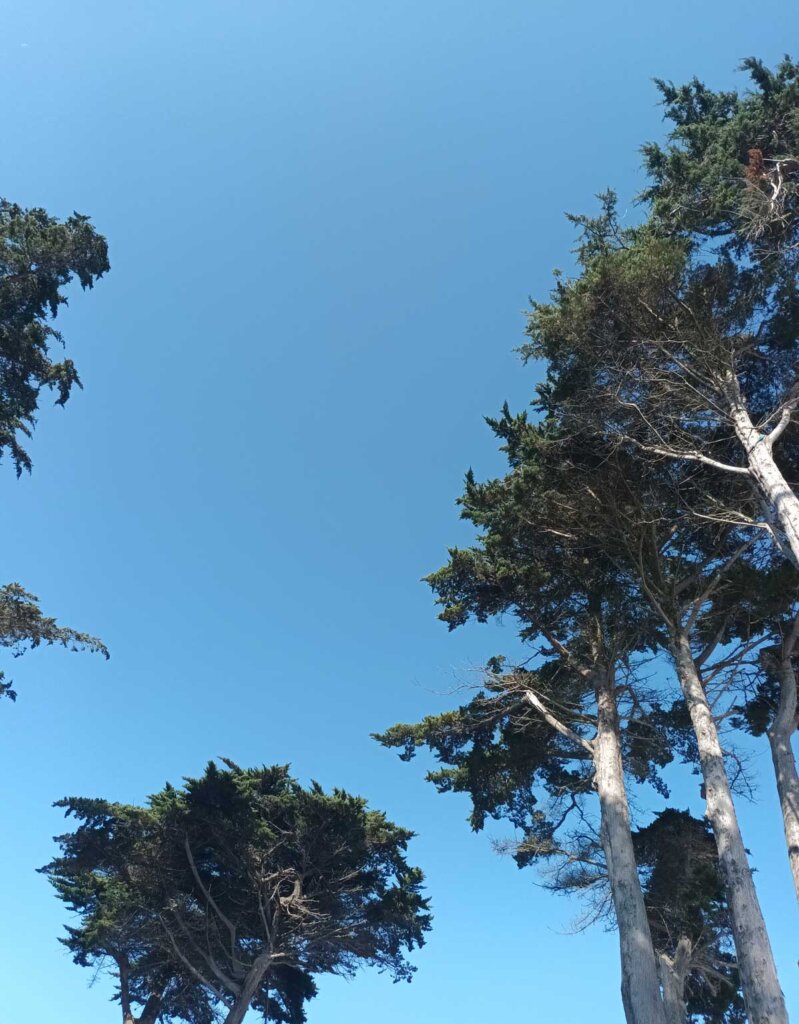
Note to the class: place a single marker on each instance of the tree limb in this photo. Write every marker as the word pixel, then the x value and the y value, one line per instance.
pixel 533 699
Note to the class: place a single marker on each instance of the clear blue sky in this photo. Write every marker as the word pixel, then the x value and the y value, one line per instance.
pixel 325 220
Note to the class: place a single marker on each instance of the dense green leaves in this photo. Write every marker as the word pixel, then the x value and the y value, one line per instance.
pixel 235 890
pixel 634 520
pixel 39 256
pixel 499 752
pixel 729 169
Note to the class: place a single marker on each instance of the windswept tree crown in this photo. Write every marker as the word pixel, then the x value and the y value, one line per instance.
pixel 235 890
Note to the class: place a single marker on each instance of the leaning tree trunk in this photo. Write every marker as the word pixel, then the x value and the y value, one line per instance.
pixel 249 988
pixel 765 1003
pixel 770 481
pixel 151 1011
pixel 781 498
pixel 779 737
pixel 640 986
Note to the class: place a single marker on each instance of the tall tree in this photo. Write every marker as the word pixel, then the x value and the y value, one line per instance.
pixel 671 365
pixel 39 257
pixel 584 625
pixel 643 519
pixel 234 891
pixel 682 336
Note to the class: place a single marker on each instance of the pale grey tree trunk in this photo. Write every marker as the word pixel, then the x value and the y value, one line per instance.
pixel 765 1003
pixel 785 504
pixel 773 486
pixel 779 737
pixel 640 986
pixel 249 987
pixel 673 972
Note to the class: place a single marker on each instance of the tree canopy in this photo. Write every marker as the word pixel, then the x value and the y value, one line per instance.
pixel 39 256
pixel 234 891
pixel 647 509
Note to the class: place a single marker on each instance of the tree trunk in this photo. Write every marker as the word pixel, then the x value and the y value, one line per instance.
pixel 765 1003
pixel 779 737
pixel 251 985
pixel 673 971
pixel 769 479
pixel 640 986
pixel 149 1014
pixel 126 1006
pixel 151 1011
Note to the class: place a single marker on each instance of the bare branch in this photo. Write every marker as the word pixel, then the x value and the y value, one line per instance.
pixel 715 579
pixel 220 995
pixel 563 651
pixel 788 409
pixel 532 698
pixel 693 456
pixel 211 901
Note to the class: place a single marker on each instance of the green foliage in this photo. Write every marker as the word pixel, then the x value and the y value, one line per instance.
pixel 717 174
pixel 187 896
pixel 628 523
pixel 538 557
pixel 533 558
pixel 39 256
pixel 509 762
pixel 22 626
pixel 664 325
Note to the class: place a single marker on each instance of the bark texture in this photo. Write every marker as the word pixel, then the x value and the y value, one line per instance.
pixel 640 987
pixel 765 1003
pixel 673 972
pixel 770 481
pixel 249 987
pixel 779 737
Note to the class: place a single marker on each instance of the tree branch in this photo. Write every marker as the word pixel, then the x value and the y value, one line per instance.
pixel 715 579
pixel 220 995
pixel 564 730
pixel 206 892
pixel 674 453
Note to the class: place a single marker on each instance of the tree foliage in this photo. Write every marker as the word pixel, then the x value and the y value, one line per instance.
pixel 23 626
pixel 39 256
pixel 639 515
pixel 728 170
pixel 234 891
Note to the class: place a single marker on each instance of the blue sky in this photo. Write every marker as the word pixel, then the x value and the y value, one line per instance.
pixel 325 221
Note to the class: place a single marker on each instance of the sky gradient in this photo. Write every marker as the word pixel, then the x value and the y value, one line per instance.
pixel 325 220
